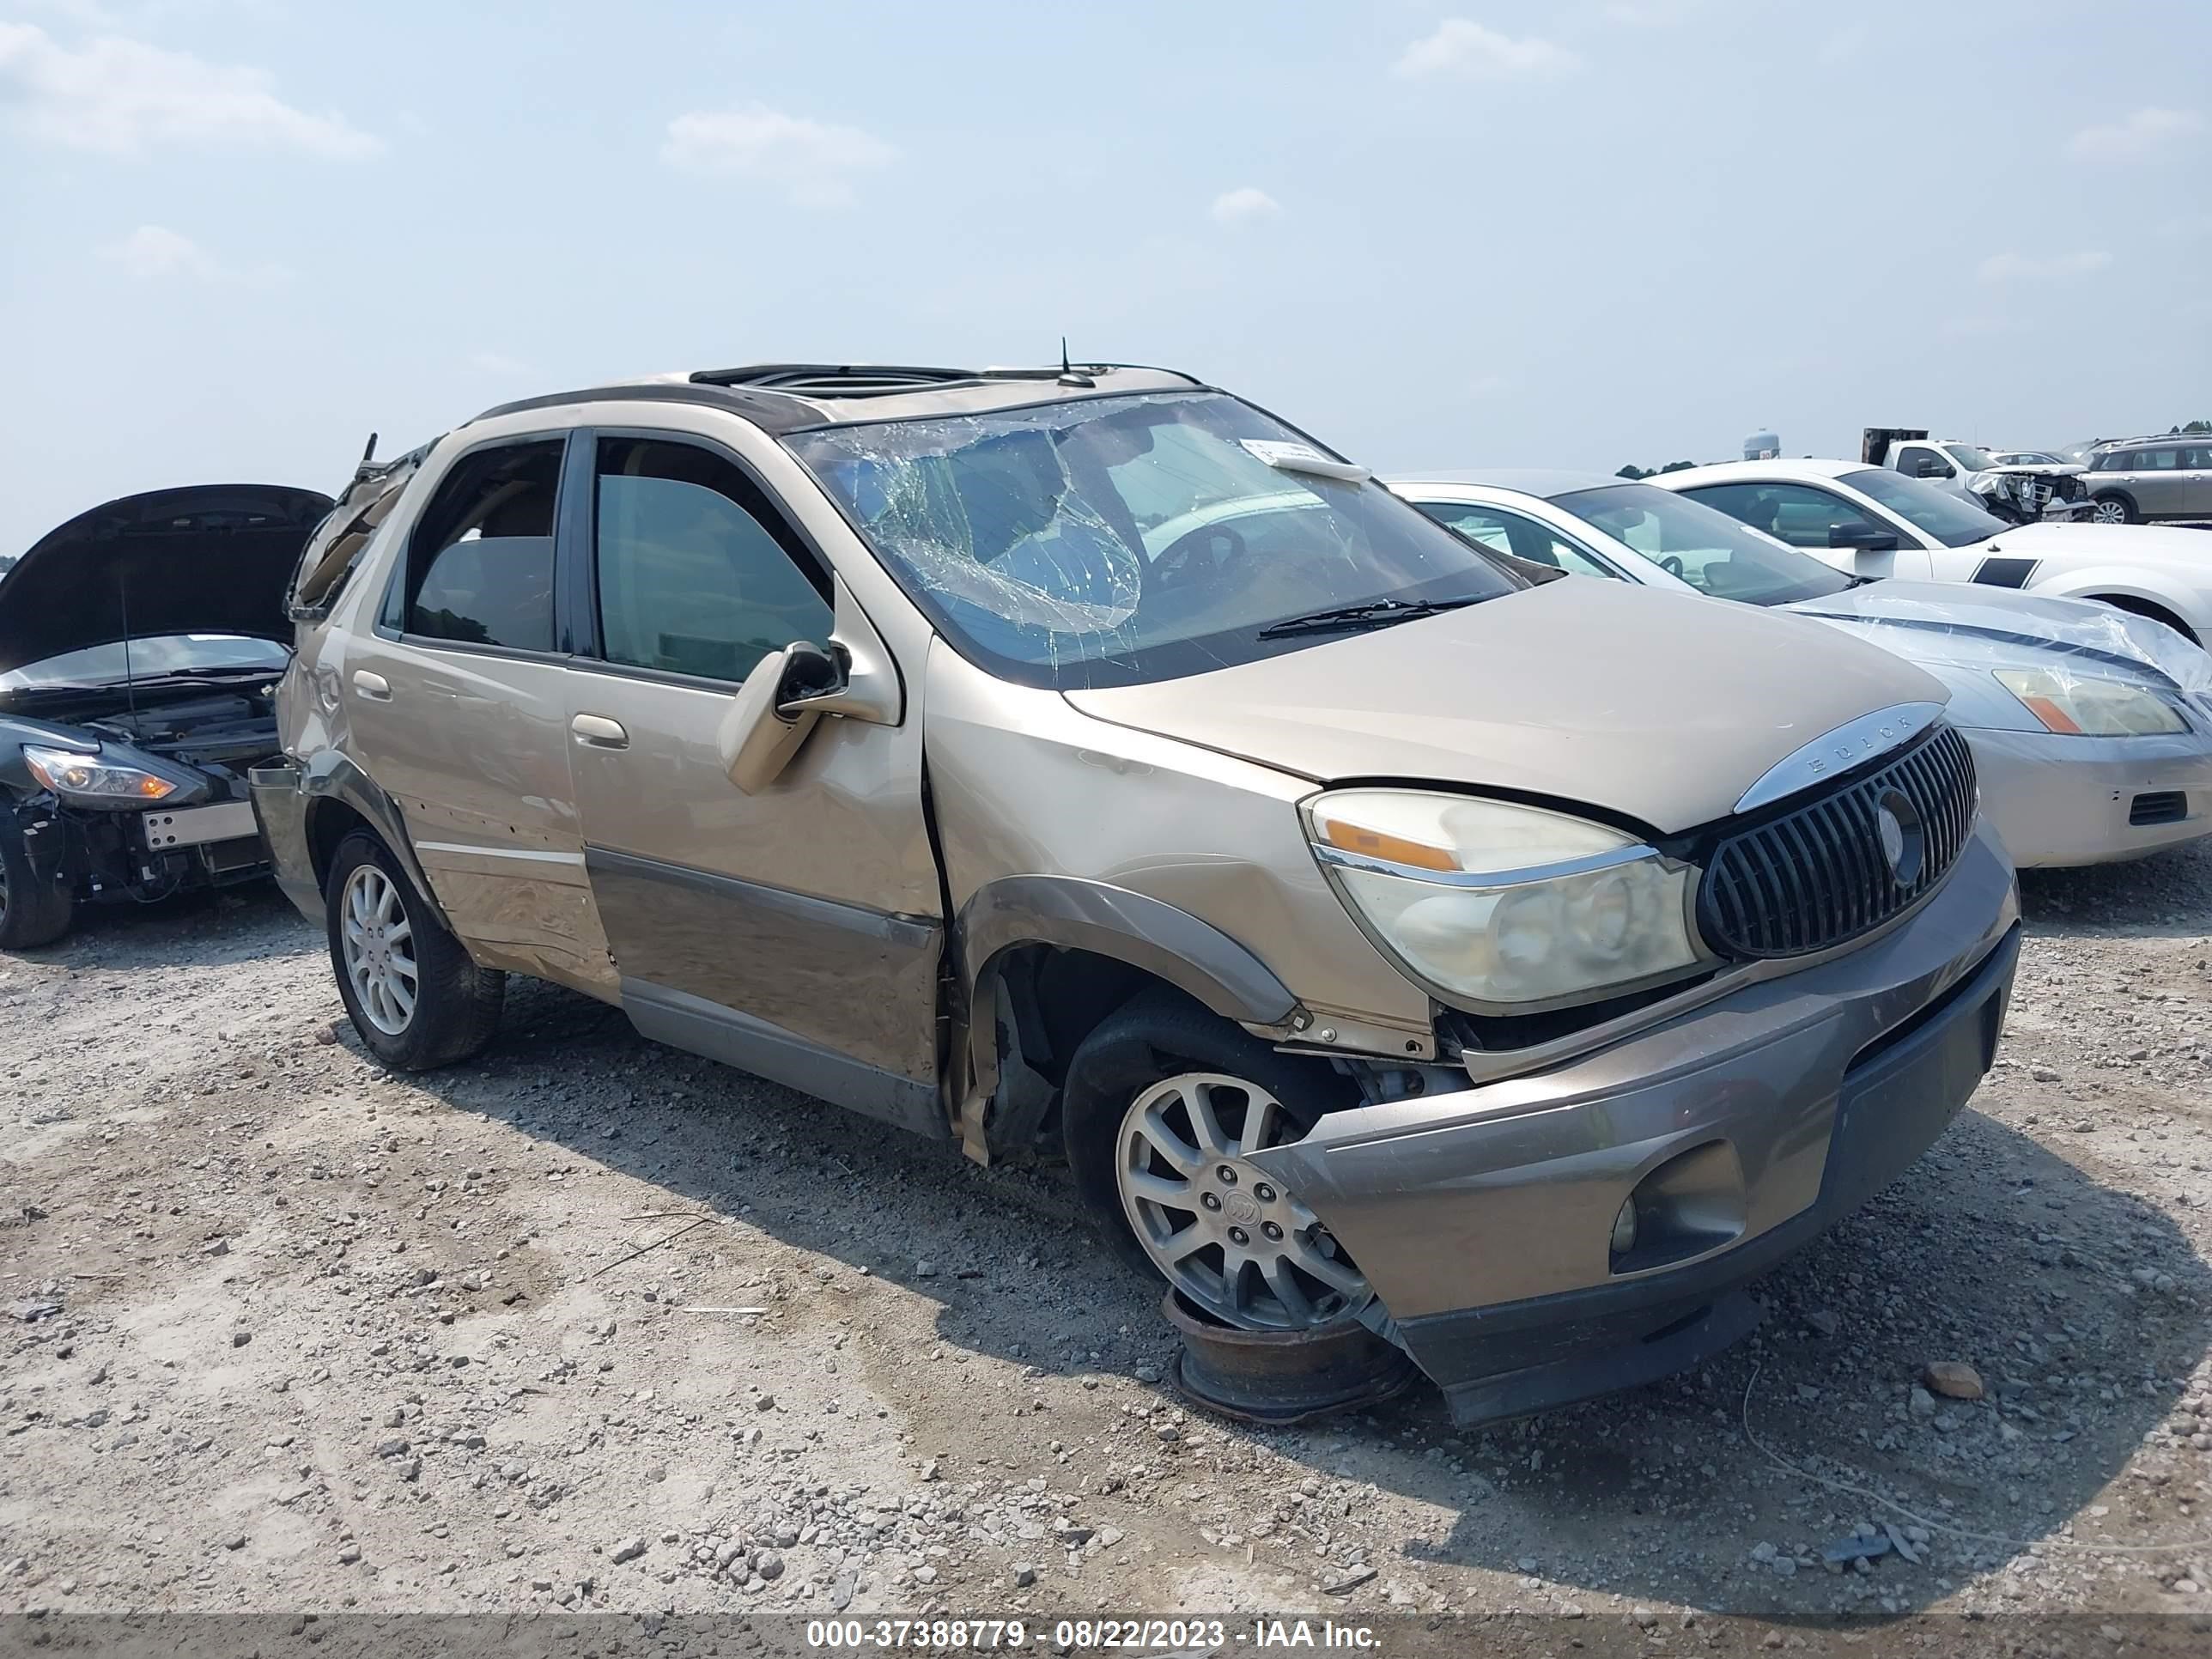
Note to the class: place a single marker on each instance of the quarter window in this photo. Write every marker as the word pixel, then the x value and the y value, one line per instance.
pixel 480 562
pixel 1796 513
pixel 697 573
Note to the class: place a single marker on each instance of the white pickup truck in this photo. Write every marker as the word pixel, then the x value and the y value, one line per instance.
pixel 2017 493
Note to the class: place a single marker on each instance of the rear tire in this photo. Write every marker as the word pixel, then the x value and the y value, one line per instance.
pixel 32 912
pixel 414 996
pixel 1160 1052
pixel 2113 507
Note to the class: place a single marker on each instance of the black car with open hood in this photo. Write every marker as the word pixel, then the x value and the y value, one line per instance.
pixel 140 644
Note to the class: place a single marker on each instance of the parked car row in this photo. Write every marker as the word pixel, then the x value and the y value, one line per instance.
pixel 2088 724
pixel 1383 919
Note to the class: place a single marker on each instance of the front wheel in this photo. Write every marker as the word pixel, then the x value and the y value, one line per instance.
pixel 414 996
pixel 33 912
pixel 1166 1103
pixel 2114 508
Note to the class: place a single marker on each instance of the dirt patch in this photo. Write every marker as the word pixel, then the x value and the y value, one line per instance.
pixel 589 1324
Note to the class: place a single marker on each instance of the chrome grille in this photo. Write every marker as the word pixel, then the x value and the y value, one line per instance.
pixel 1830 868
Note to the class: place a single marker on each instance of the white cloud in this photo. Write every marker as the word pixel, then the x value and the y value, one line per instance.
pixel 121 97
pixel 1460 47
pixel 2009 267
pixel 2145 132
pixel 1236 207
pixel 813 162
pixel 156 253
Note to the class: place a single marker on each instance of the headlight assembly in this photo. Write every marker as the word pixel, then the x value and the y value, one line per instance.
pixel 1513 907
pixel 2091 708
pixel 88 778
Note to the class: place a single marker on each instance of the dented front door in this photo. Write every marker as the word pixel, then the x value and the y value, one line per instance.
pixel 795 932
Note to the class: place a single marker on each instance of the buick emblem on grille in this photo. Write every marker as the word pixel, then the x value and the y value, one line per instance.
pixel 1893 840
pixel 1897 823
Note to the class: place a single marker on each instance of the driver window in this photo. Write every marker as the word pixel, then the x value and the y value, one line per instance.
pixel 1913 457
pixel 1796 513
pixel 1521 537
pixel 696 574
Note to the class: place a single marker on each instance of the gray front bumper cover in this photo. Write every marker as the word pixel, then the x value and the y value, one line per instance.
pixel 1483 1217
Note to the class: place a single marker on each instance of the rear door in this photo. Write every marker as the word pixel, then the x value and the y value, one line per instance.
pixel 795 932
pixel 458 705
pixel 2195 495
pixel 2158 481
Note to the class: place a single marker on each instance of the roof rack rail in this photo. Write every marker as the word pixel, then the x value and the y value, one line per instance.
pixel 837 380
pixel 888 379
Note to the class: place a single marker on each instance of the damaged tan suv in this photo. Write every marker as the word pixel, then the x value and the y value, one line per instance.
pixel 1084 760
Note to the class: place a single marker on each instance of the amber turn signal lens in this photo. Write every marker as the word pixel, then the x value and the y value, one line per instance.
pixel 1394 850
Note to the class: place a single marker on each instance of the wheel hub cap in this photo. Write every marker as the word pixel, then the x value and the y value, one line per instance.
pixel 376 941
pixel 1221 1230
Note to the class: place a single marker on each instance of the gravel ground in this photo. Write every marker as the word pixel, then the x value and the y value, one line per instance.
pixel 589 1324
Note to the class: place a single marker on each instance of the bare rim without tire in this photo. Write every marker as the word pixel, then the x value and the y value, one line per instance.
pixel 1219 1229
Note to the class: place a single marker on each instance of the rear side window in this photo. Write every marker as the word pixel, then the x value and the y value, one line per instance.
pixel 480 564
pixel 697 573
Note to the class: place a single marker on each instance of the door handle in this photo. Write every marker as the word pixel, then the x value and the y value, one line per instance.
pixel 598 732
pixel 374 687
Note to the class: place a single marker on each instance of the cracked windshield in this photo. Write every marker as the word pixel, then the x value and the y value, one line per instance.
pixel 1108 540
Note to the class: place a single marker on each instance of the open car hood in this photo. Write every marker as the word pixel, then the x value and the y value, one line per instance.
pixel 1663 708
pixel 200 559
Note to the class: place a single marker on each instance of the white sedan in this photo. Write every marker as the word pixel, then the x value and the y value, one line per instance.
pixel 1867 521
pixel 2091 729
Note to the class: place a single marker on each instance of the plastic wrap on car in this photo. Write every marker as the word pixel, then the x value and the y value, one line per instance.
pixel 2090 639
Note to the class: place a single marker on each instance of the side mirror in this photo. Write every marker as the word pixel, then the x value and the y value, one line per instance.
pixel 770 717
pixel 1925 468
pixel 1861 538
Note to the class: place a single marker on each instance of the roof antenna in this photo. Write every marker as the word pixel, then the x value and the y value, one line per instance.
pixel 1068 374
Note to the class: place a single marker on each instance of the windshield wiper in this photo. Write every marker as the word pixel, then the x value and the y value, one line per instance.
pixel 1374 614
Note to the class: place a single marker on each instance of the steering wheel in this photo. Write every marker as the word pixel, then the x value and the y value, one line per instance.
pixel 1202 556
pixel 1671 566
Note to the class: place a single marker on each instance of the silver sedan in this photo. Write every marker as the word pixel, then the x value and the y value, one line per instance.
pixel 2091 728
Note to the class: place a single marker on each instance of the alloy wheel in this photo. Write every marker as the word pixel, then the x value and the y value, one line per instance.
pixel 2109 513
pixel 379 947
pixel 1221 1231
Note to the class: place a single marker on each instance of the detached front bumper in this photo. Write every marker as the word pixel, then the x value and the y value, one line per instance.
pixel 280 805
pixel 1484 1218
pixel 2062 801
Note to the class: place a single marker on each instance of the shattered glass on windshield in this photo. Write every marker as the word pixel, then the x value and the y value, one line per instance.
pixel 1103 540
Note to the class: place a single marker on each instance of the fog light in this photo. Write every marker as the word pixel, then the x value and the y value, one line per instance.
pixel 1623 1228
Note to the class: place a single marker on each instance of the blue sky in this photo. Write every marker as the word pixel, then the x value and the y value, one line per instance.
pixel 236 235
